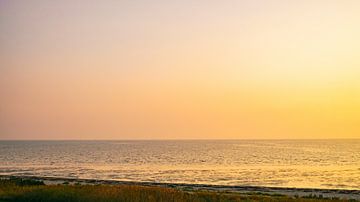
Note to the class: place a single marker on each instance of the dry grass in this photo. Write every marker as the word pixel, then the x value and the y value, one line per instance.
pixel 11 190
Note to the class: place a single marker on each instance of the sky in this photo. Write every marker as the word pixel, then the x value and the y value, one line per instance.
pixel 203 69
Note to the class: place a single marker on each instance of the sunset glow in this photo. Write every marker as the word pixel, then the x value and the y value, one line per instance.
pixel 250 69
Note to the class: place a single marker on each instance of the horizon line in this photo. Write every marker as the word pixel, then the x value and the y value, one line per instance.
pixel 180 139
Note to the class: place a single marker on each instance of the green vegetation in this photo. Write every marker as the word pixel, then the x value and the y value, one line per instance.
pixel 28 190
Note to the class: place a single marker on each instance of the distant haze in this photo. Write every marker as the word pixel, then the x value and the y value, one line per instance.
pixel 203 69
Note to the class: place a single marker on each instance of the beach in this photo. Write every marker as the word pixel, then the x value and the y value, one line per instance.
pixel 290 193
pixel 176 101
pixel 187 170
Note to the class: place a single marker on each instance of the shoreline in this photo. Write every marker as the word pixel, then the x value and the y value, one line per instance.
pixel 287 191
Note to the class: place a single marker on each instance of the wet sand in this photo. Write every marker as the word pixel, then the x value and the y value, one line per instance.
pixel 326 193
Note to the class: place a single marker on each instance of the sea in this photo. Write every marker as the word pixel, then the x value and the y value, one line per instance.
pixel 333 164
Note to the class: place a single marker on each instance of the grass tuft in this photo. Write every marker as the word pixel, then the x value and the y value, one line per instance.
pixel 28 190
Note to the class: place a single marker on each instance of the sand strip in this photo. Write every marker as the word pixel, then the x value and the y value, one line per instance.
pixel 326 193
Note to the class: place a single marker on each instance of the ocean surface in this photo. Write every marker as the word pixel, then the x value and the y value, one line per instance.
pixel 275 163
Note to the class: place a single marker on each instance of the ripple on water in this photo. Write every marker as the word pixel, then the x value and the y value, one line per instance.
pixel 291 163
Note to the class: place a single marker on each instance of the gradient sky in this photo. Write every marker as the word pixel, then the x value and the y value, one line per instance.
pixel 179 69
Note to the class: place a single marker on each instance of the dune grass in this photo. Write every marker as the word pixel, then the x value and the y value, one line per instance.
pixel 27 190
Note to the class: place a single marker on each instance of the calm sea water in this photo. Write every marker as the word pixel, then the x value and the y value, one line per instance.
pixel 282 163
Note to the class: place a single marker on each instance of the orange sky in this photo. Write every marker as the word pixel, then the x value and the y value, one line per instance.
pixel 179 70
